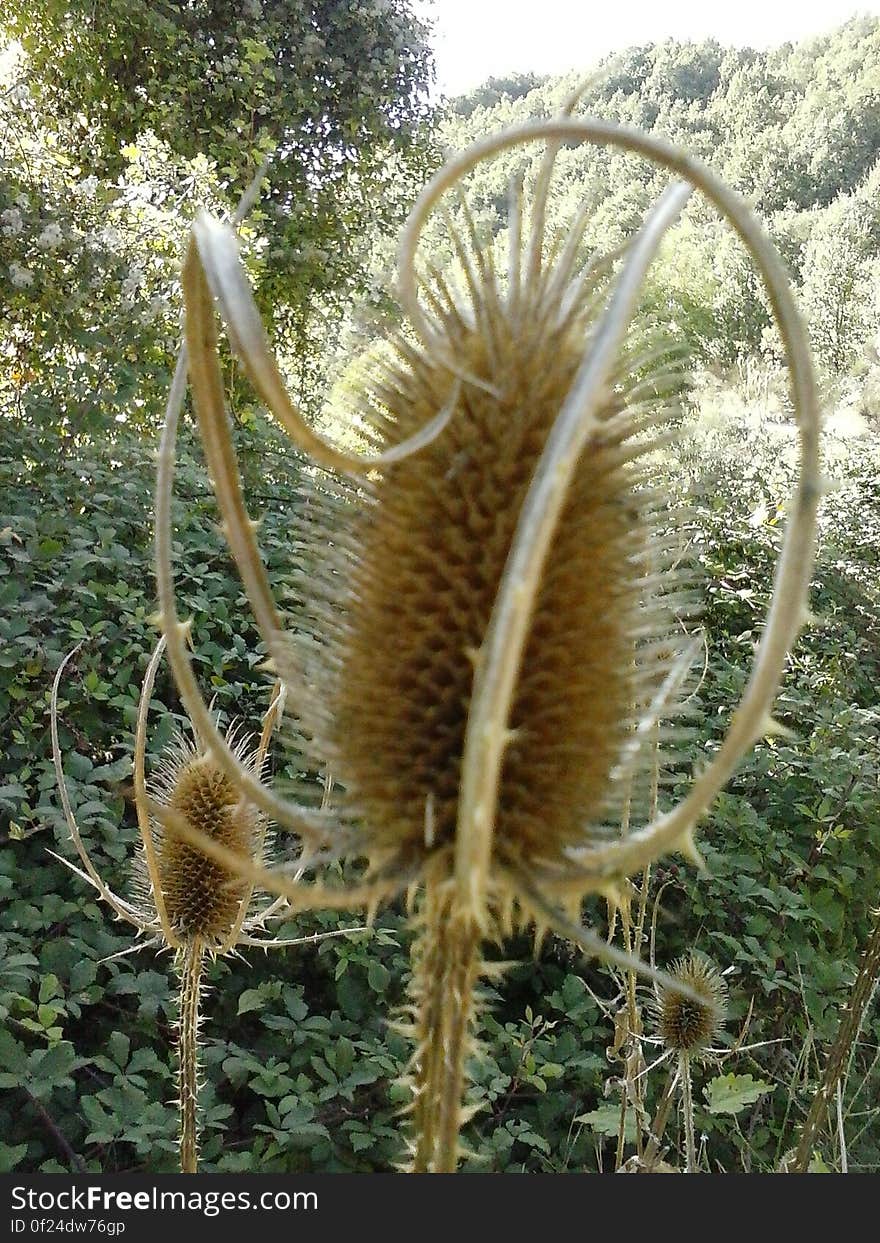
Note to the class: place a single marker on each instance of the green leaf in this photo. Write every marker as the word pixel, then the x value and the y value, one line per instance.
pixel 13 1056
pixel 251 999
pixel 344 1056
pixel 82 974
pixel 378 976
pixel 729 1094
pixel 606 1121
pixel 47 1015
pixel 78 766
pixel 10 1156
pixel 352 997
pixel 49 987
pixel 295 1006
pixel 51 1068
pixel 119 1047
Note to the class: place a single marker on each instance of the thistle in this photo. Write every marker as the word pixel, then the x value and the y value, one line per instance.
pixel 490 617
pixel 182 899
pixel 689 1018
pixel 202 898
pixel 689 1013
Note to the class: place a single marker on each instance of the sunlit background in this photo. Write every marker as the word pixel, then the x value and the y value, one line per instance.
pixel 476 39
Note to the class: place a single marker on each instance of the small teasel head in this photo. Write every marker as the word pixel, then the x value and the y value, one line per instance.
pixel 184 899
pixel 203 899
pixel 180 895
pixel 688 1022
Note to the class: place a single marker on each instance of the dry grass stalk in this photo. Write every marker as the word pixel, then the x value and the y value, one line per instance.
pixel 840 1054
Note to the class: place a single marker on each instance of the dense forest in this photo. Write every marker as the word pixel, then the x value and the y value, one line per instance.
pixel 106 153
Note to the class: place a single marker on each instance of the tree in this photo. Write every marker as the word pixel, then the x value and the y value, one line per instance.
pixel 336 90
pixel 88 271
pixel 839 290
pixel 120 121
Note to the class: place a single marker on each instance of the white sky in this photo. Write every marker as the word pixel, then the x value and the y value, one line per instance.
pixel 477 39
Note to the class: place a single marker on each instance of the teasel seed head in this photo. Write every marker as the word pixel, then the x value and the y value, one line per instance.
pixel 480 715
pixel 398 628
pixel 202 898
pixel 689 1023
pixel 546 297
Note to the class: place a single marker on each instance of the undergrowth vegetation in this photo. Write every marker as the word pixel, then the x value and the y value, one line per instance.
pixel 301 1065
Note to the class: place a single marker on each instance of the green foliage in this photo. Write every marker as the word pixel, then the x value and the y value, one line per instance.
pixel 841 268
pixel 731 1094
pixel 302 1068
pixel 512 86
pixel 117 124
pixel 335 89
pixel 791 847
pixel 794 129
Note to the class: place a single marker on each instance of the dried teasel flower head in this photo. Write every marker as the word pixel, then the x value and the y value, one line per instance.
pixel 180 896
pixel 183 899
pixel 688 1022
pixel 489 602
pixel 416 560
pixel 202 898
pixel 490 609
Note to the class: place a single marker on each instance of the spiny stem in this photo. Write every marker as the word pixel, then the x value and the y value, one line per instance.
pixel 633 935
pixel 192 961
pixel 621 1129
pixel 447 966
pixel 687 1108
pixel 841 1133
pixel 140 796
pixel 841 1050
pixel 631 1047
pixel 658 1126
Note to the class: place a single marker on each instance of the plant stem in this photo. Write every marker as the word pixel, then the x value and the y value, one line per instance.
pixel 841 1051
pixel 75 1161
pixel 658 1126
pixel 447 965
pixel 687 1108
pixel 841 1133
pixel 192 961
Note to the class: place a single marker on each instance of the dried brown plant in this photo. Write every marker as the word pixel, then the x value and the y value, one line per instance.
pixel 490 630
pixel 182 899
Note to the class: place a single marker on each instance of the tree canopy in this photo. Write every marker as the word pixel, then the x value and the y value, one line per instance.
pixel 119 121
pixel 795 129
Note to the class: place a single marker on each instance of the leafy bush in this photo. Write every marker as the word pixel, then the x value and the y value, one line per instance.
pixel 302 1067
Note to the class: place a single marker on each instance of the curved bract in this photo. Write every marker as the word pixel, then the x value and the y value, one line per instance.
pixel 491 627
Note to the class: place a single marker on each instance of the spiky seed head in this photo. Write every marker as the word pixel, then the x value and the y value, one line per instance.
pixel 407 607
pixel 202 898
pixel 686 1024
